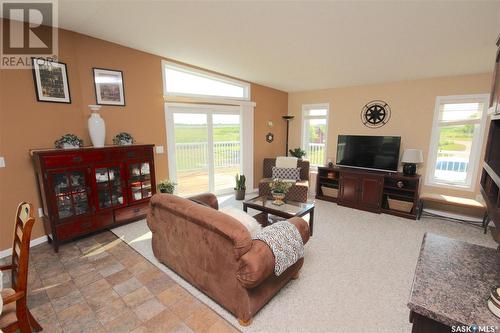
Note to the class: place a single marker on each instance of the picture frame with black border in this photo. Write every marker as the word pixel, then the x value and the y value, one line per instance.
pixel 109 86
pixel 51 81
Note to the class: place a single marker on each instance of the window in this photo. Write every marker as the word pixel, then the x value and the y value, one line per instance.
pixel 314 132
pixel 456 140
pixel 181 80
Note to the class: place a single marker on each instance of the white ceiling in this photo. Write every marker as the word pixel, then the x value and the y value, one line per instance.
pixel 302 45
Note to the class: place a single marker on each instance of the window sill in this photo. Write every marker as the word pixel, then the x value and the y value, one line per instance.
pixel 468 188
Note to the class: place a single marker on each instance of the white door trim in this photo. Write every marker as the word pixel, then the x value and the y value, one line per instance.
pixel 246 112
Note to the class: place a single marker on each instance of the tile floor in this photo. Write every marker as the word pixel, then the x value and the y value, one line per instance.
pixel 100 284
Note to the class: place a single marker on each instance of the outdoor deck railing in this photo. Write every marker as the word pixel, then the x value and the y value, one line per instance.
pixel 194 156
pixel 316 153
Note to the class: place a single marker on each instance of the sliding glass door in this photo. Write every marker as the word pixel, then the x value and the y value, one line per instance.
pixel 204 146
pixel 227 150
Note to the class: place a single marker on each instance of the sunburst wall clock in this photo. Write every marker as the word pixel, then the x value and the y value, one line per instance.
pixel 375 114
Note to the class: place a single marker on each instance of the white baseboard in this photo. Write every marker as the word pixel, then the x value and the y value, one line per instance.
pixel 34 242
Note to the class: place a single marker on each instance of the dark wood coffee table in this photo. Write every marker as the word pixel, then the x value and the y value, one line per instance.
pixel 287 210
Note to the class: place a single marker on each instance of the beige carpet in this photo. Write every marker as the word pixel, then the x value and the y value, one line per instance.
pixel 356 276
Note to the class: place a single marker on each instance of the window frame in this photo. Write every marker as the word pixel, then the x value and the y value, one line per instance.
pixel 305 109
pixel 476 147
pixel 205 74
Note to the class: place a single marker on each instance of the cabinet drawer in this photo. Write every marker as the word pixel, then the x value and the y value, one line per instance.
pixel 131 154
pixel 131 213
pixel 72 159
pixel 82 226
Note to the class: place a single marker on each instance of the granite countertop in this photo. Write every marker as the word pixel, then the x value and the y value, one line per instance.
pixel 453 280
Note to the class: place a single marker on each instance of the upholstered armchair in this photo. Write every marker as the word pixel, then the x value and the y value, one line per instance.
pixel 298 192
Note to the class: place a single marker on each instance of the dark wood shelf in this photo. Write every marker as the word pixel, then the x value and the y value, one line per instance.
pixel 399 195
pixel 400 188
pixel 410 215
pixel 328 178
pixel 326 198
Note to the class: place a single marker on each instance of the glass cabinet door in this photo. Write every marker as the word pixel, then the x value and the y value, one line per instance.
pixel 140 180
pixel 109 187
pixel 70 188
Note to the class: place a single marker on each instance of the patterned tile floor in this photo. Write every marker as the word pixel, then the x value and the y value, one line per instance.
pixel 100 284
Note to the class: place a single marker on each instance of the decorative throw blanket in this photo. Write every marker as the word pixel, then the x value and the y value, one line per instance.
pixel 286 243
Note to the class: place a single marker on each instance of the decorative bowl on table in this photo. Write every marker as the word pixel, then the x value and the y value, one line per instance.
pixel 278 197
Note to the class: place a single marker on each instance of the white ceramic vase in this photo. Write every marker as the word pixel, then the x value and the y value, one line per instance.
pixel 97 127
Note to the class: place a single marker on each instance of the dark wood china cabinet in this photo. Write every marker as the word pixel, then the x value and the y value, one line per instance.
pixel 90 189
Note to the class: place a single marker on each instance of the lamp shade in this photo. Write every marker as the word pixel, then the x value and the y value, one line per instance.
pixel 412 156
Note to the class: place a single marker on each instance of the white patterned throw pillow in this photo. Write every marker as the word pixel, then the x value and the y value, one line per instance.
pixel 286 173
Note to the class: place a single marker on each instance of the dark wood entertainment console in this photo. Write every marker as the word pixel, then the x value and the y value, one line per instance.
pixel 369 190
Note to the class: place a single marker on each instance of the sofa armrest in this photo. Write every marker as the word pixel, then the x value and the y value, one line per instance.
pixel 258 263
pixel 208 199
pixel 302 226
pixel 255 265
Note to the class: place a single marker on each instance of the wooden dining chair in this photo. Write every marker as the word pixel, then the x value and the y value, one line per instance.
pixel 15 314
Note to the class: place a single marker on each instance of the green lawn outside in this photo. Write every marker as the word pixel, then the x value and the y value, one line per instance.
pixel 193 133
pixel 450 134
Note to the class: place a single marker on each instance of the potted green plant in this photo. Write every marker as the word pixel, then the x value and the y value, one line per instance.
pixel 68 141
pixel 123 139
pixel 297 152
pixel 167 186
pixel 279 189
pixel 240 188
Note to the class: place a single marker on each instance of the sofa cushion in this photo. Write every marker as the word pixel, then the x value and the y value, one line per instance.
pixel 246 219
pixel 286 173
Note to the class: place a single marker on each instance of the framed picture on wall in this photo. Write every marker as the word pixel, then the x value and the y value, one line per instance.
pixel 51 81
pixel 109 87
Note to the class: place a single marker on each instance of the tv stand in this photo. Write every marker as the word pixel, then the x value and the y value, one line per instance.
pixel 373 191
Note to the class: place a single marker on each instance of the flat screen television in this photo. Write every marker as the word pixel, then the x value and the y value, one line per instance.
pixel 369 152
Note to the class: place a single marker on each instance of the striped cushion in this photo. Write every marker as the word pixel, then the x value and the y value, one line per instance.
pixel 286 173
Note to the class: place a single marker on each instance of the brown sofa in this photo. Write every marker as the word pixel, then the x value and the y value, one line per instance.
pixel 298 192
pixel 216 254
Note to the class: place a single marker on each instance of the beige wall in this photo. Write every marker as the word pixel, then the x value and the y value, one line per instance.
pixel 27 124
pixel 412 104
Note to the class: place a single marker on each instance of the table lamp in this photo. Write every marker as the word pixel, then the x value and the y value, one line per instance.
pixel 410 159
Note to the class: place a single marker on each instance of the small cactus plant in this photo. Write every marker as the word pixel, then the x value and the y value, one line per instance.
pixel 240 182
pixel 239 189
